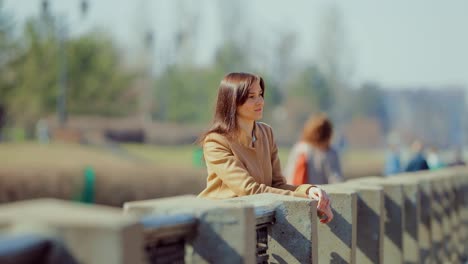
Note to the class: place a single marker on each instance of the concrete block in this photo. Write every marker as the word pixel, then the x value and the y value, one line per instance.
pixel 337 240
pixel 293 237
pixel 225 233
pixel 425 241
pixel 440 253
pixel 93 234
pixel 370 222
pixel 463 200
pixel 393 217
pixel 452 218
pixel 461 183
pixel 412 214
pixel 425 224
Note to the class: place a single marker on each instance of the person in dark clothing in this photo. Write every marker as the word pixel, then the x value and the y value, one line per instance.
pixel 418 160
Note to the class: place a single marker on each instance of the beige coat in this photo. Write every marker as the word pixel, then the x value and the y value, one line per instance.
pixel 238 167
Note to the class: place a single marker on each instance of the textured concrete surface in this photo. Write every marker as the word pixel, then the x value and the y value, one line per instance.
pixel 337 240
pixel 370 223
pixel 225 233
pixel 412 214
pixel 393 217
pixel 293 237
pixel 86 230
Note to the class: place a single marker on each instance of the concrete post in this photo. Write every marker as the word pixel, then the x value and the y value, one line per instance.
pixel 393 217
pixel 461 183
pixel 337 240
pixel 93 234
pixel 370 223
pixel 293 237
pixel 412 213
pixel 463 209
pixel 225 233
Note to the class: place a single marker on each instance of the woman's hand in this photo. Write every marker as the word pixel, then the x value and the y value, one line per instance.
pixel 323 206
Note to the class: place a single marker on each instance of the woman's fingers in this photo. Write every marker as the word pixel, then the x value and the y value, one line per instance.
pixel 328 215
pixel 322 197
pixel 323 204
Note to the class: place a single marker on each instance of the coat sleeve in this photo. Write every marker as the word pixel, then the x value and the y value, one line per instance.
pixel 220 159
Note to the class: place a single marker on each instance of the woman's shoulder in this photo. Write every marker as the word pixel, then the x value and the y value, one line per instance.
pixel 264 128
pixel 262 125
pixel 217 138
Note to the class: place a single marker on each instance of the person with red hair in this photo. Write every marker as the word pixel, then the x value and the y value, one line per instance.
pixel 313 160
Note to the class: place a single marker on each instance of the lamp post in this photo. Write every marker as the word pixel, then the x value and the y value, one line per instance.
pixel 62 34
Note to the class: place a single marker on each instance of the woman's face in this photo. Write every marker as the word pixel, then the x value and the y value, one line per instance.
pixel 252 109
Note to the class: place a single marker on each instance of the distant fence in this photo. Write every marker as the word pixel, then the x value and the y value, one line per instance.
pixel 409 218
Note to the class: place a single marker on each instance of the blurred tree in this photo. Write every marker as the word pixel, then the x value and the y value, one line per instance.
pixel 7 42
pixel 7 50
pixel 284 62
pixel 233 54
pixel 334 60
pixel 190 94
pixel 308 92
pixel 97 82
pixel 370 102
pixel 33 74
pixel 311 85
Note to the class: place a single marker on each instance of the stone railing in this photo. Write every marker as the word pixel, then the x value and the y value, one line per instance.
pixel 409 218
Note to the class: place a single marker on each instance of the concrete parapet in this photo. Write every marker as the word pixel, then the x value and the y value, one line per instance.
pixel 166 237
pixel 337 239
pixel 225 233
pixel 87 231
pixel 393 217
pixel 412 216
pixel 293 237
pixel 463 209
pixel 461 183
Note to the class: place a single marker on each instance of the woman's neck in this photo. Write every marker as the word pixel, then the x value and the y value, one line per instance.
pixel 246 125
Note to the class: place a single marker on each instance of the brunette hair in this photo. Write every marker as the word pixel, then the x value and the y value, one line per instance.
pixel 233 91
pixel 318 131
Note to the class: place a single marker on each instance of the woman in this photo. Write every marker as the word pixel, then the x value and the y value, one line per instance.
pixel 240 153
pixel 313 160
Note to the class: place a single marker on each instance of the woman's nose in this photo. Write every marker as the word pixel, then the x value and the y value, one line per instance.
pixel 260 100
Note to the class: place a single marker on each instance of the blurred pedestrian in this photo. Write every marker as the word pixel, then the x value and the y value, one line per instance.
pixel 392 161
pixel 241 154
pixel 433 159
pixel 313 160
pixel 418 161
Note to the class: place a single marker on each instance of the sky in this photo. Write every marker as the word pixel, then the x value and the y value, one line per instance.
pixel 396 43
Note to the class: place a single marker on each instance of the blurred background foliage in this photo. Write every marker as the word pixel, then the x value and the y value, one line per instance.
pixel 137 113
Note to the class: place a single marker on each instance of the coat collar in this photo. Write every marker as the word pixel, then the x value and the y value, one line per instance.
pixel 246 139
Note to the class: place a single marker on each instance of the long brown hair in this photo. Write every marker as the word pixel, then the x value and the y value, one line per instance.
pixel 233 91
pixel 318 131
